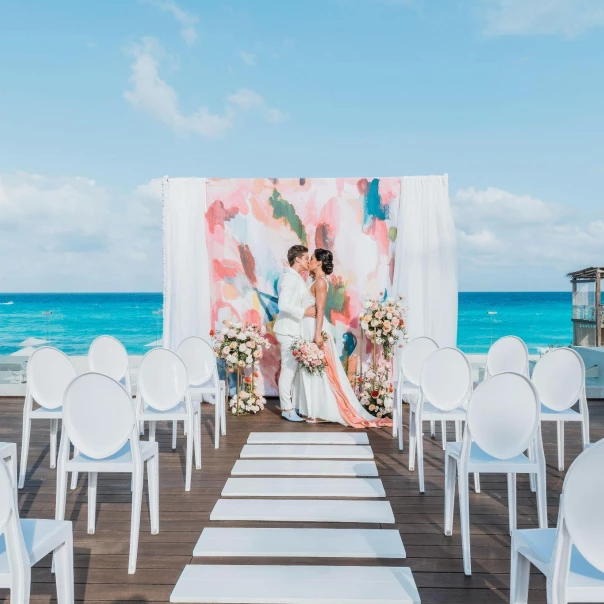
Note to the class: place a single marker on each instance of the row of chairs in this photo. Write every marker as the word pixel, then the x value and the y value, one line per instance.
pixel 559 377
pixel 170 386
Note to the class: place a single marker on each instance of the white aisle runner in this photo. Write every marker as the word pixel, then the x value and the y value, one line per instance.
pixel 322 454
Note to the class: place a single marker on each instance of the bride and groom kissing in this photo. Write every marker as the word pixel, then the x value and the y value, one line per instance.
pixel 326 397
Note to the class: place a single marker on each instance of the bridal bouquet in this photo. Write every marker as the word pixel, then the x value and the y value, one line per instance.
pixel 240 344
pixel 376 390
pixel 383 321
pixel 309 356
pixel 247 400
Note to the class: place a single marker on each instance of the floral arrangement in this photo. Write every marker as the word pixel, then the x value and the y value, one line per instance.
pixel 383 321
pixel 375 389
pixel 309 356
pixel 247 400
pixel 240 344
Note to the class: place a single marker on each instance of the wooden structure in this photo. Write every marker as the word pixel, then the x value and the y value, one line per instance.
pixel 588 315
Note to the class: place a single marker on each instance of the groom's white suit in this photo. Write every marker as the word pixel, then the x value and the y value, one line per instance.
pixel 291 289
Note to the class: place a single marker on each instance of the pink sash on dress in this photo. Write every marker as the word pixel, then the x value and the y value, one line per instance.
pixel 348 412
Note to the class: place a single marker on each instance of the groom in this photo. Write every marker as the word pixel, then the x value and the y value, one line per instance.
pixel 292 290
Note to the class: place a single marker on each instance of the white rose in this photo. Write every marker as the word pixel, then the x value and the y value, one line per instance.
pixel 242 347
pixel 249 360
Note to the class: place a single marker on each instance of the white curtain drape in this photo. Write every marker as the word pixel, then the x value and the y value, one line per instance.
pixel 425 270
pixel 186 262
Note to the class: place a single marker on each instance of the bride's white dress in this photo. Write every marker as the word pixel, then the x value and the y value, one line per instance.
pixel 315 393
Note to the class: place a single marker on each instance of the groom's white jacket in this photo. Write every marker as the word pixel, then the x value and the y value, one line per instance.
pixel 292 291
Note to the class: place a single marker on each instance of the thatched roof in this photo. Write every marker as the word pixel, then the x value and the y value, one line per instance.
pixel 591 273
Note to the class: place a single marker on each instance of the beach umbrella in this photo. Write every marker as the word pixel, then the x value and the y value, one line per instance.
pixel 23 352
pixel 32 342
pixel 155 344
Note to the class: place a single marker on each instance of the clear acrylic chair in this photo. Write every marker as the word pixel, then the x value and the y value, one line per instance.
pixel 23 543
pixel 559 377
pixel 507 354
pixel 202 370
pixel 163 395
pixel 503 421
pixel 445 388
pixel 99 419
pixel 407 387
pixel 49 372
pixel 571 556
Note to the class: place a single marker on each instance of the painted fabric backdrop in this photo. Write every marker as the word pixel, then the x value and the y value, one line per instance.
pixel 251 223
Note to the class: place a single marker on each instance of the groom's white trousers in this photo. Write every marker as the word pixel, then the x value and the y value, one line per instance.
pixel 289 366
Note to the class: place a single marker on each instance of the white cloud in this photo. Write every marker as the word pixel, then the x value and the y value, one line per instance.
pixel 70 234
pixel 186 20
pixel 508 241
pixel 154 96
pixel 248 58
pixel 568 18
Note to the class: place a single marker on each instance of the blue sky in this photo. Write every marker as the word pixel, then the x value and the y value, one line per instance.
pixel 99 100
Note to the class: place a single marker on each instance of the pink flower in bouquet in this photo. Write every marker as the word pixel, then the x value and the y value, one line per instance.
pixel 257 354
pixel 232 333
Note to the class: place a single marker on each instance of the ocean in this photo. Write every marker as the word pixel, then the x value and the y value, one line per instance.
pixel 71 321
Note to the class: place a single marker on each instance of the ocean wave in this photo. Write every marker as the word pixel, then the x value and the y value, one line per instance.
pixel 6 303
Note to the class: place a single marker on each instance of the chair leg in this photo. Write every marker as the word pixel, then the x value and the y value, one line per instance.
pixel 217 421
pixel 531 456
pixel 63 563
pixel 54 425
pixel 585 430
pixel 135 521
pixel 74 475
pixel 153 485
pixel 189 468
pixel 197 439
pixel 174 430
pixel 476 482
pixel 24 449
pixel 420 452
pixel 223 407
pixel 412 439
pixel 542 499
pixel 400 425
pixel 61 494
pixel 458 431
pixel 520 573
pixel 443 432
pixel 512 501
pixel 464 513
pixel 92 482
pixel 394 420
pixel 560 431
pixel 141 427
pixel 432 428
pixel 450 479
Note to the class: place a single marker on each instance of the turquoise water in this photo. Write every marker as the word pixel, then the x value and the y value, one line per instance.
pixel 539 318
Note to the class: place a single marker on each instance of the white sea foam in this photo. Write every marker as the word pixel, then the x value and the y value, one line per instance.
pixel 6 303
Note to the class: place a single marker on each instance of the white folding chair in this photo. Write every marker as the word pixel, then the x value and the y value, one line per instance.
pixel 163 395
pixel 571 556
pixel 445 387
pixel 99 419
pixel 200 360
pixel 559 377
pixel 407 387
pixel 23 543
pixel 49 372
pixel 501 423
pixel 507 354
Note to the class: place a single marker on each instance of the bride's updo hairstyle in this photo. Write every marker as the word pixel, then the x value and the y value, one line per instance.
pixel 325 257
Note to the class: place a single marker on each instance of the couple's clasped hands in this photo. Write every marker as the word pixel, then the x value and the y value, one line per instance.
pixel 311 311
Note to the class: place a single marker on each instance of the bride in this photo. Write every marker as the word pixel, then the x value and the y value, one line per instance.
pixel 328 397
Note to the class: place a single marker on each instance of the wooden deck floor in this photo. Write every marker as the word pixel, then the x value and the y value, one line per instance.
pixel 101 559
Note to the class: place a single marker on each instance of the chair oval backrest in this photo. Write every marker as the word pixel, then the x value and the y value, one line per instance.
pixel 108 356
pixel 508 354
pixel 446 378
pixel 199 359
pixel 504 414
pixel 162 379
pixel 413 356
pixel 98 415
pixel 582 504
pixel 49 372
pixel 559 377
